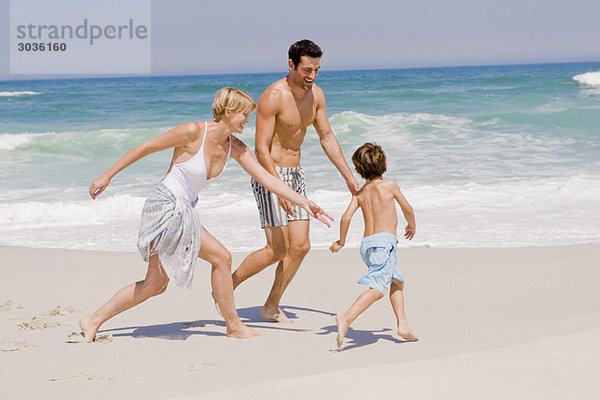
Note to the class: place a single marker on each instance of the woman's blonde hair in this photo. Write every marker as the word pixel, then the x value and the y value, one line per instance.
pixel 232 99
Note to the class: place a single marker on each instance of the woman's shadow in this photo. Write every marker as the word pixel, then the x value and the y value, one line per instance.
pixel 183 330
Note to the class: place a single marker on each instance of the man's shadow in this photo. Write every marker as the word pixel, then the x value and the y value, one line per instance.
pixel 358 338
pixel 252 314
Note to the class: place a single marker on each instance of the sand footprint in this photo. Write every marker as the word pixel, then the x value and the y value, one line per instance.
pixel 77 337
pixel 46 319
pixel 61 311
pixel 10 305
pixel 14 346
pixel 81 375
pixel 39 322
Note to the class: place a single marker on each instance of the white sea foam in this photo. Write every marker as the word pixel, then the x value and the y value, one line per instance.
pixel 15 94
pixel 350 121
pixel 526 212
pixel 38 214
pixel 9 141
pixel 589 78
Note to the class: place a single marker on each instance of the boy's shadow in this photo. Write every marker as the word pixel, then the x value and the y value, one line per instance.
pixel 360 338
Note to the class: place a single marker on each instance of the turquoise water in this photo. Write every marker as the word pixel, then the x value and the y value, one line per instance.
pixel 488 156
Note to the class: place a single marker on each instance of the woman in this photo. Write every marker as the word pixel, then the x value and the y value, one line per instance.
pixel 171 236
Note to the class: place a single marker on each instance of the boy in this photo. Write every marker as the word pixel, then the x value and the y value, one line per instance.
pixel 378 246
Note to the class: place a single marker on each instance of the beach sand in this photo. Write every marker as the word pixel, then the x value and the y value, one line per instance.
pixel 497 323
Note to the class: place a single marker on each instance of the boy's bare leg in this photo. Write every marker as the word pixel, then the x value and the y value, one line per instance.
pixel 397 300
pixel 274 251
pixel 131 295
pixel 299 246
pixel 362 302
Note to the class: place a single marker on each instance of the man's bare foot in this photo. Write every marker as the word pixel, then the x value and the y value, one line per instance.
pixel 88 329
pixel 275 314
pixel 407 334
pixel 342 325
pixel 216 304
pixel 241 331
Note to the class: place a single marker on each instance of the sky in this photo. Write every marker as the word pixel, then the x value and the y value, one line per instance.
pixel 234 36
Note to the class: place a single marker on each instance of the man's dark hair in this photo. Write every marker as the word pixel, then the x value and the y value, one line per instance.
pixel 301 48
pixel 369 160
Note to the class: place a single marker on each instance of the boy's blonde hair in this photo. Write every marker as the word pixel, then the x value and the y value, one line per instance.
pixel 232 99
pixel 369 160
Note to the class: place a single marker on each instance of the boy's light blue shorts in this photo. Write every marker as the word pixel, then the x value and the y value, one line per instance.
pixel 378 251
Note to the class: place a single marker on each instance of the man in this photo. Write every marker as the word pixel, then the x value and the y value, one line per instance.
pixel 285 110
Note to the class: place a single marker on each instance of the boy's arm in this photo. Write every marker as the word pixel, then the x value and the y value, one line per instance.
pixel 344 224
pixel 407 210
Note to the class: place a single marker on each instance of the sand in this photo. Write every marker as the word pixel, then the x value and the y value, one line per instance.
pixel 498 323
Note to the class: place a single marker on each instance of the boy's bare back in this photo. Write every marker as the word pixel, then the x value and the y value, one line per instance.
pixel 376 200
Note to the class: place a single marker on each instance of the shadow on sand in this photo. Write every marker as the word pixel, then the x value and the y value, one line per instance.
pixel 252 314
pixel 359 338
pixel 183 330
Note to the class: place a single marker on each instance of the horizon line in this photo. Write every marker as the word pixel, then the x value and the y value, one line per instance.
pixel 187 74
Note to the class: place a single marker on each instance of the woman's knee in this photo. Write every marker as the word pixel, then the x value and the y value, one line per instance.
pixel 155 285
pixel 222 259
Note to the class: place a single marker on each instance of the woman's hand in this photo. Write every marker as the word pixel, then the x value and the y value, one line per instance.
pixel 99 185
pixel 316 212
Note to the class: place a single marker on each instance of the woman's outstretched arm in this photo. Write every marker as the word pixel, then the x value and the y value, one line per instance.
pixel 179 136
pixel 241 153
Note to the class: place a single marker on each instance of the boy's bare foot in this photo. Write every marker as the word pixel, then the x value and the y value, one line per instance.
pixel 407 334
pixel 275 314
pixel 242 331
pixel 342 325
pixel 88 329
pixel 216 304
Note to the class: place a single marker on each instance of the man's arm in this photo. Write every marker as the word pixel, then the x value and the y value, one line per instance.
pixel 330 144
pixel 407 210
pixel 266 117
pixel 344 225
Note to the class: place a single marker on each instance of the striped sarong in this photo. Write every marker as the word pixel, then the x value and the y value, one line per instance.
pixel 171 228
pixel 270 212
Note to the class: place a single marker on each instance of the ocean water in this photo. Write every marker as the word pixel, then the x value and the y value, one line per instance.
pixel 488 156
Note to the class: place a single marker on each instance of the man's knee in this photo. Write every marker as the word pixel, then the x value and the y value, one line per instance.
pixel 276 252
pixel 300 248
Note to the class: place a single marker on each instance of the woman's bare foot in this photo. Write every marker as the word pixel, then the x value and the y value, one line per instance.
pixel 342 326
pixel 275 314
pixel 88 328
pixel 241 331
pixel 406 333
